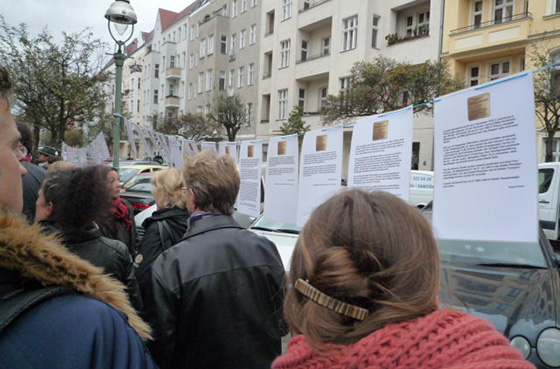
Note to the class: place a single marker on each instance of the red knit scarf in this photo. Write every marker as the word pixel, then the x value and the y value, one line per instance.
pixel 444 339
pixel 121 212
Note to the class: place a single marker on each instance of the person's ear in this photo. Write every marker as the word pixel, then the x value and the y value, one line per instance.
pixel 49 209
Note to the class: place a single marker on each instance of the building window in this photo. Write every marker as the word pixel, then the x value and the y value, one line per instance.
pixel 282 104
pixel 231 77
pixel 474 76
pixel 251 74
pixel 240 76
pixel 190 94
pixel 210 45
pixel 375 32
pixel 249 112
pixel 242 39
pixel 269 23
pixel 499 70
pixel 423 23
pixel 243 6
pixel 172 61
pixel 171 89
pixel 344 86
pixel 287 9
pixel 200 82
pixel 202 51
pixel 253 3
pixel 156 70
pixel 323 93
pixel 222 81
pixel 233 47
pixel 191 61
pixel 192 32
pixel 557 7
pixel 503 10
pixel 350 33
pixel 253 34
pixel 477 14
pixel 139 83
pixel 409 26
pixel 301 98
pixel 285 53
pixel 304 45
pixel 155 96
pixel 326 46
pixel 209 80
pixel 223 45
pixel 224 11
pixel 234 8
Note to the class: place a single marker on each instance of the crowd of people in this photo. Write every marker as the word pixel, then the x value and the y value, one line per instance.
pixel 78 290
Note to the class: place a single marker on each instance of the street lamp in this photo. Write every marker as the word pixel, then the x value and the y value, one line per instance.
pixel 121 15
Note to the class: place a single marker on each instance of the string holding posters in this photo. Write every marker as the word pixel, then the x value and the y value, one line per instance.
pixel 228 148
pixel 320 172
pixel 486 163
pixel 250 162
pixel 281 185
pixel 381 154
pixel 205 145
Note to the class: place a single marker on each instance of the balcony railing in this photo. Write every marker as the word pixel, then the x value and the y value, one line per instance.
pixel 492 22
pixel 311 4
pixel 172 101
pixel 173 72
pixel 313 57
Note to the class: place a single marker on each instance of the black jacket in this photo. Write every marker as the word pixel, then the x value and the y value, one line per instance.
pixel 32 182
pixel 163 229
pixel 217 298
pixel 115 229
pixel 111 255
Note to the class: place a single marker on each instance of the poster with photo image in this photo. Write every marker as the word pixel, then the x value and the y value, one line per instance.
pixel 250 162
pixel 228 148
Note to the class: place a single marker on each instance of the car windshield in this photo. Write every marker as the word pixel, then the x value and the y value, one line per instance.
pixel 275 225
pixel 126 174
pixel 492 253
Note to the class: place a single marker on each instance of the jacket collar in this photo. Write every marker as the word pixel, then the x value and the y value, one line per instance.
pixel 166 214
pixel 72 235
pixel 211 223
pixel 26 250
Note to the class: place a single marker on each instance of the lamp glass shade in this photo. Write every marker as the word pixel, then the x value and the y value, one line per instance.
pixel 121 28
pixel 121 12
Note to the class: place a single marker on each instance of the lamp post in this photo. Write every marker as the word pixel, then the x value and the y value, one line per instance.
pixel 121 15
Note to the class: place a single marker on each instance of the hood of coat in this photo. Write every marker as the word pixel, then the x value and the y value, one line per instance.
pixel 36 255
pixel 172 215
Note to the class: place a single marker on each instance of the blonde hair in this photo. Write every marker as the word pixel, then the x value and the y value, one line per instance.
pixel 167 191
pixel 59 165
pixel 215 181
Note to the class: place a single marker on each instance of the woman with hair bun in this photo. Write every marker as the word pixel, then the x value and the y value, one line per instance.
pixel 364 294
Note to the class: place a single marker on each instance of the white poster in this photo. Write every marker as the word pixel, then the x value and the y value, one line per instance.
pixel 190 147
pixel 486 163
pixel 142 134
pixel 281 185
pixel 205 145
pixel 250 161
pixel 131 140
pixel 176 159
pixel 228 148
pixel 320 171
pixel 381 153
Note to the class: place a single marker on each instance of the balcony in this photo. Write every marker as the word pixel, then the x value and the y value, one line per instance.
pixel 506 32
pixel 172 101
pixel 321 16
pixel 313 57
pixel 307 5
pixel 173 73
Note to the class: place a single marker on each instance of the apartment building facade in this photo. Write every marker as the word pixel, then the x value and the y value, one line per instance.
pixel 485 40
pixel 309 47
pixel 223 57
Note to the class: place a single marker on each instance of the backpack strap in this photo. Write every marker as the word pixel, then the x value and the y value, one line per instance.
pixel 15 301
pixel 163 228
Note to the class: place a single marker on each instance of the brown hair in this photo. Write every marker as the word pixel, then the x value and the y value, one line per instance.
pixel 167 188
pixel 59 165
pixel 371 250
pixel 214 179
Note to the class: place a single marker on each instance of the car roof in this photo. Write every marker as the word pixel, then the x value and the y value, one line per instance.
pixel 142 166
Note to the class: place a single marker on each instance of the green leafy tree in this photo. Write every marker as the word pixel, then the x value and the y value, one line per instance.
pixel 229 113
pixel 547 93
pixel 385 85
pixel 54 84
pixel 190 126
pixel 295 123
pixel 74 137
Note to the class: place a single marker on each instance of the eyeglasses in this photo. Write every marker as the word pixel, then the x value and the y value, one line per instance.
pixel 184 190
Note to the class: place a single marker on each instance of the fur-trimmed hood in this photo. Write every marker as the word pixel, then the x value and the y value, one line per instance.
pixel 24 248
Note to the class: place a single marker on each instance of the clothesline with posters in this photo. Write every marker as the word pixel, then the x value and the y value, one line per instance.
pixel 480 144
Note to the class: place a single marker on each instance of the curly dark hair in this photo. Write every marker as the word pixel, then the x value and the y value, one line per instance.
pixel 78 195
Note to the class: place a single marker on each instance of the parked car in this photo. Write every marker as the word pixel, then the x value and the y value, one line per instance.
pixel 139 195
pixel 421 188
pixel 129 173
pixel 549 199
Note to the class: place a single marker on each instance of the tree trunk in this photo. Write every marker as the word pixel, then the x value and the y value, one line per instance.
pixel 548 141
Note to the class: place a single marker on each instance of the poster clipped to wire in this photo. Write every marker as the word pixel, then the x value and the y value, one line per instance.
pixel 486 163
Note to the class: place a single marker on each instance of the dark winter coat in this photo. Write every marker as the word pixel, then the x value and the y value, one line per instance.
pixel 163 229
pixel 32 182
pixel 111 255
pixel 115 229
pixel 86 329
pixel 217 298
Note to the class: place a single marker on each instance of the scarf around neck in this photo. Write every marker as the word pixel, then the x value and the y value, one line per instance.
pixel 121 212
pixel 443 339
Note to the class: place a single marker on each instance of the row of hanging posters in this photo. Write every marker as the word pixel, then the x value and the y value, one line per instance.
pixel 485 164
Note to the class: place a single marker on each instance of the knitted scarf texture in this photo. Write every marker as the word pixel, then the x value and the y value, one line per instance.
pixel 121 212
pixel 444 339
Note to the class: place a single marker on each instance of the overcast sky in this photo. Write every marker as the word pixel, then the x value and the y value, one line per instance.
pixel 75 15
